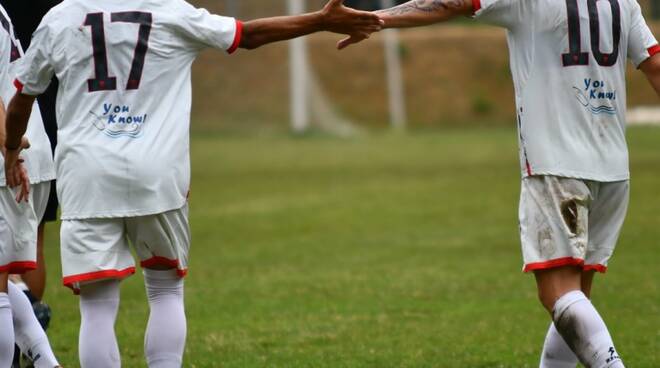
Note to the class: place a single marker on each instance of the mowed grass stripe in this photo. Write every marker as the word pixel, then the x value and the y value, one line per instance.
pixel 378 251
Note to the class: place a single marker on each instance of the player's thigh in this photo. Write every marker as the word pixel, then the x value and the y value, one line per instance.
pixel 162 241
pixel 607 215
pixel 554 219
pixel 94 250
pixel 18 234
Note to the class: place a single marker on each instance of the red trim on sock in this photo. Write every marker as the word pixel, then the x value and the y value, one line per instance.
pixel 19 267
pixel 653 50
pixel 237 37
pixel 69 281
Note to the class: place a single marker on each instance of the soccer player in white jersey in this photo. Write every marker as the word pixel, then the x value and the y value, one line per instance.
pixel 568 60
pixel 20 212
pixel 123 155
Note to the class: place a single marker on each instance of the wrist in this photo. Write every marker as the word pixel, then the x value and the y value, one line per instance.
pixel 320 19
pixel 11 146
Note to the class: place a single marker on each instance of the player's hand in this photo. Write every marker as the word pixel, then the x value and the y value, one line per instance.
pixel 15 173
pixel 352 39
pixel 338 18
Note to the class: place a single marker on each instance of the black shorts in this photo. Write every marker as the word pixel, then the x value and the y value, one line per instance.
pixel 50 214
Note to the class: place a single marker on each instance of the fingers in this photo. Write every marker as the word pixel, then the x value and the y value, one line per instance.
pixel 25 143
pixel 353 39
pixel 24 193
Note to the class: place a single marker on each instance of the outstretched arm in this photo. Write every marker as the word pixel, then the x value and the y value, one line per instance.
pixel 417 13
pixel 334 17
pixel 651 68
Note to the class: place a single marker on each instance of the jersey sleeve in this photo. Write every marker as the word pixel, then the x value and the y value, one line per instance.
pixel 641 43
pixel 35 71
pixel 203 29
pixel 503 13
pixel 5 59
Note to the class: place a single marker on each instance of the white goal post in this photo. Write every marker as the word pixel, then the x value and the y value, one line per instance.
pixel 307 99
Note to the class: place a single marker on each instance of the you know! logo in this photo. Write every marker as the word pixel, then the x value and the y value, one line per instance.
pixel 596 97
pixel 118 121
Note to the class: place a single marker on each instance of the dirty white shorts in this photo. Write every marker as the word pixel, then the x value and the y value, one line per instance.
pixel 18 228
pixel 99 249
pixel 570 222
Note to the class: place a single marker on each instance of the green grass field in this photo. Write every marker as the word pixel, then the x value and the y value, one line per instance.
pixel 378 251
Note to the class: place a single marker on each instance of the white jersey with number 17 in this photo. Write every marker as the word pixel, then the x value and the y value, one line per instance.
pixel 124 99
pixel 568 60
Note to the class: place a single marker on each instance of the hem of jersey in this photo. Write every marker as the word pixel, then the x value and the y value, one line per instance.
pixel 33 181
pixel 562 262
pixel 43 179
pixel 122 214
pixel 70 281
pixel 238 35
pixel 18 267
pixel 162 261
pixel 576 175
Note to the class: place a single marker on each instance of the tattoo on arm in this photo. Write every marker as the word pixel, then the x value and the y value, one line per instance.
pixel 423 6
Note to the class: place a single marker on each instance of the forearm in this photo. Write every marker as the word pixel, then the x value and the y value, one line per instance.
pixel 651 69
pixel 263 31
pixel 417 13
pixel 18 115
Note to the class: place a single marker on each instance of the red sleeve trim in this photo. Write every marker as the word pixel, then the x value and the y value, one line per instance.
pixel 476 6
pixel 654 50
pixel 237 37
pixel 19 86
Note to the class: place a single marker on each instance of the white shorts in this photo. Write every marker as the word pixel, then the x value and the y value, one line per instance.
pixel 570 222
pixel 18 228
pixel 99 249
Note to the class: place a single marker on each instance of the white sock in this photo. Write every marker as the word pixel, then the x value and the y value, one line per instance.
pixel 165 339
pixel 30 337
pixel 556 354
pixel 6 332
pixel 584 331
pixel 97 345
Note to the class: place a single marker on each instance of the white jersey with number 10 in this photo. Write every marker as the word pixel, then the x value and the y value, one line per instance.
pixel 568 60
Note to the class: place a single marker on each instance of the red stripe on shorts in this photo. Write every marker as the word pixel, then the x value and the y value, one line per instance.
pixel 162 261
pixel 18 268
pixel 98 275
pixel 559 262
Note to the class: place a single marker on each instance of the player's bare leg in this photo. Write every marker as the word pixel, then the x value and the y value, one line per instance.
pixel 575 318
pixel 36 279
pixel 165 339
pixel 99 303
